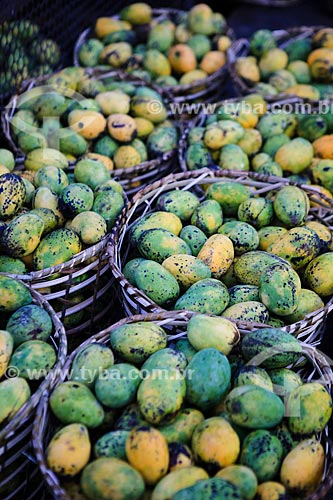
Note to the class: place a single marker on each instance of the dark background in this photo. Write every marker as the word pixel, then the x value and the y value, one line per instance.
pixel 63 20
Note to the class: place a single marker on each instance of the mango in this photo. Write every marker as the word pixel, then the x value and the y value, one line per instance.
pixel 73 402
pixel 157 283
pixel 106 478
pixel 217 253
pixel 14 392
pixel 318 276
pixel 135 343
pixel 15 294
pixel 89 361
pixel 68 451
pixel 111 445
pixel 208 332
pixel 56 248
pixel 302 469
pixel 208 296
pixel 177 481
pixel 30 322
pixel 116 387
pixel 42 157
pixel 6 349
pixel 34 359
pixel 22 235
pixel 207 378
pixel 263 453
pixel 149 443
pixel 241 476
pixel 12 195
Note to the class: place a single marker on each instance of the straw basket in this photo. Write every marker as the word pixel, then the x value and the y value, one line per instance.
pixel 134 301
pixel 208 89
pixel 132 178
pixel 175 324
pixel 18 470
pixel 241 48
pixel 87 272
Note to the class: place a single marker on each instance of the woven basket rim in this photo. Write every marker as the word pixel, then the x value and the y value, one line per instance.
pixel 31 83
pixel 171 91
pixel 163 318
pixel 28 408
pixel 241 47
pixel 184 180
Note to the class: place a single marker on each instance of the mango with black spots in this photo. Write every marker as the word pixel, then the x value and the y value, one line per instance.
pixel 122 127
pixel 182 58
pixel 247 311
pixel 181 203
pixel 210 489
pixel 159 244
pixel 279 289
pixel 135 343
pixel 187 269
pixel 207 296
pixel 14 295
pixel 88 361
pixel 256 211
pixel 108 204
pixel 89 52
pixel 33 359
pixel 68 451
pixel 254 407
pixel 43 198
pixel 180 456
pixel 215 443
pixel 262 452
pixel 22 235
pixel 89 124
pixel 207 378
pixel 75 199
pixel 90 226
pixel 14 393
pixel 29 322
pixel 309 407
pixel 253 375
pixel 223 133
pixel 243 236
pixel 241 476
pixel 300 245
pixel 160 398
pixel 73 402
pixel 318 276
pixel 198 156
pixel 273 347
pixel 126 157
pixel 156 220
pixel 229 195
pixel 268 235
pixel 217 253
pixel 12 195
pixel 52 177
pixel 181 428
pixel 111 445
pixel 162 140
pixel 56 248
pixel 302 469
pixel 111 478
pixel 243 293
pixel 149 107
pixel 249 267
pixel 147 451
pixel 194 237
pixel 277 123
pixel 291 206
pixel 165 358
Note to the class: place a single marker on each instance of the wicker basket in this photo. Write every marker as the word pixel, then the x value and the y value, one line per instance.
pixel 61 281
pixel 17 466
pixel 175 324
pixel 133 178
pixel 134 301
pixel 208 89
pixel 291 104
pixel 241 48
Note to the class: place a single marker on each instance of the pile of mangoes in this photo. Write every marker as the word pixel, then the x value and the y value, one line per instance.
pixel 24 53
pixel 121 123
pixel 188 420
pixel 47 215
pixel 169 50
pixel 236 254
pixel 26 352
pixel 242 135
pixel 303 67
